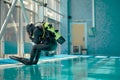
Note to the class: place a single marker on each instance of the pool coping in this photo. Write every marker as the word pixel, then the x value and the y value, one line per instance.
pixel 41 60
pixel 52 59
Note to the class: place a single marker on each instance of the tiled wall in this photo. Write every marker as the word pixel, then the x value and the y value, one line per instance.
pixel 107 27
pixel 64 26
pixel 106 40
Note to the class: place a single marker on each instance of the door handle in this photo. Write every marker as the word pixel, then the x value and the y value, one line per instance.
pixel 83 38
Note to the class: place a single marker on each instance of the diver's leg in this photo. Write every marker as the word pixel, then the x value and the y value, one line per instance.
pixel 35 53
pixel 37 57
pixel 32 54
pixel 25 61
pixel 39 47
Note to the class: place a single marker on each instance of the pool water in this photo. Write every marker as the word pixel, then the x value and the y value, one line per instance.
pixel 71 69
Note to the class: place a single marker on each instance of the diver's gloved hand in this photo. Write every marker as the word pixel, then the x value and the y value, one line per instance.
pixel 30 37
pixel 30 28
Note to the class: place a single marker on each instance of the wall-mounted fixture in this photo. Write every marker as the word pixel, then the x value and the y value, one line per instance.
pixel 92 29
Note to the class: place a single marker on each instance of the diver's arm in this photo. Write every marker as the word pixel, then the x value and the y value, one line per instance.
pixel 31 38
pixel 30 35
pixel 36 38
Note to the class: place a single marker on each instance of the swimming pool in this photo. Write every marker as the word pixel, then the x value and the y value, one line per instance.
pixel 78 68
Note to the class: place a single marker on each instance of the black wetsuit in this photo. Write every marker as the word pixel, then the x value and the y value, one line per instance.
pixel 44 40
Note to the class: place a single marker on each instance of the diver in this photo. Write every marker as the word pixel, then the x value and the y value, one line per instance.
pixel 45 38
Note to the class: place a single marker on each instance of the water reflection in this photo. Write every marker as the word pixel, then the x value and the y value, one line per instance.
pixel 35 73
pixel 72 69
pixel 31 73
pixel 79 69
pixel 21 73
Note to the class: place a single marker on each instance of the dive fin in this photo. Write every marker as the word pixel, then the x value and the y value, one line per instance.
pixel 20 59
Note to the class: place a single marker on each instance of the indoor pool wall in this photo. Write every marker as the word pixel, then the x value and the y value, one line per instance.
pixel 105 41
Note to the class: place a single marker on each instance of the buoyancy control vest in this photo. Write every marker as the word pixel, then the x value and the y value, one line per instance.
pixel 58 36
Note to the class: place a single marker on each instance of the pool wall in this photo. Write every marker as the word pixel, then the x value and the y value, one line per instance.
pixel 106 40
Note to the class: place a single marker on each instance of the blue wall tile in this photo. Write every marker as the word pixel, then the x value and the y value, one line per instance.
pixel 27 47
pixel 10 47
pixel 107 27
pixel 64 26
pixel 106 40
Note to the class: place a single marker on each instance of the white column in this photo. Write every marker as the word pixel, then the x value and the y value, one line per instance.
pixel 93 14
pixel 20 38
pixel 2 9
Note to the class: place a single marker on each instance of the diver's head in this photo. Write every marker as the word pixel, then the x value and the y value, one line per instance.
pixel 30 28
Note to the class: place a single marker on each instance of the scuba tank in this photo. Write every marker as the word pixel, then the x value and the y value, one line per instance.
pixel 58 36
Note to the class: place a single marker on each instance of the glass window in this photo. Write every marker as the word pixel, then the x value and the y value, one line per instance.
pixel 14 32
pixel 57 8
pixel 53 9
pixel 29 4
pixel 12 26
pixel 50 3
pixel 40 0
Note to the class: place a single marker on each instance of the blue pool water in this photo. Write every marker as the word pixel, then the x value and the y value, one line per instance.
pixel 81 68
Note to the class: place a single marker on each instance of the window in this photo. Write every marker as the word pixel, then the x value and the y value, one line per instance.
pixel 53 9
